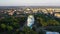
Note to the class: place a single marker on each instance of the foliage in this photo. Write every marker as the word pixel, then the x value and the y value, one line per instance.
pixel 12 24
pixel 53 28
pixel 27 30
pixel 45 20
pixel 9 28
pixel 3 26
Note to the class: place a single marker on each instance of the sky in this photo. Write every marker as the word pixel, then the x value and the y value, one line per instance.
pixel 29 2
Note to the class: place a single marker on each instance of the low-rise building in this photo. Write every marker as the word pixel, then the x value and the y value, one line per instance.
pixel 57 15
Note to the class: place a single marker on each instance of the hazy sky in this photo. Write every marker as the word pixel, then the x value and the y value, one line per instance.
pixel 29 2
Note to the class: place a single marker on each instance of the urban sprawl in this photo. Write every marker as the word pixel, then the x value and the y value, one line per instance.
pixel 53 11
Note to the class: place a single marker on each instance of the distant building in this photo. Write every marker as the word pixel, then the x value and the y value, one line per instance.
pixel 28 10
pixel 57 15
pixel 11 12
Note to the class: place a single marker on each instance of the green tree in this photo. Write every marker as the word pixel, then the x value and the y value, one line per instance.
pixel 3 26
pixel 9 28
